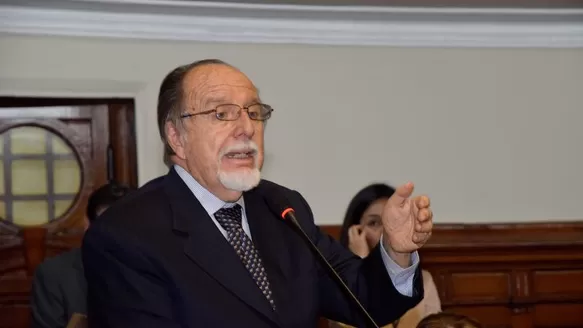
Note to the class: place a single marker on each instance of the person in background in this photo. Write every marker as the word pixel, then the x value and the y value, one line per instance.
pixel 448 320
pixel 361 232
pixel 59 288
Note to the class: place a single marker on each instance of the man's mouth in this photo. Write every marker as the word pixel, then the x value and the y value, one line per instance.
pixel 240 154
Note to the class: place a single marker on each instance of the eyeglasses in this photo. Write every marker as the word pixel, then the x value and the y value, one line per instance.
pixel 232 112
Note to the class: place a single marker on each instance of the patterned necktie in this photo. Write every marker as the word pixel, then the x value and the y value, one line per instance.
pixel 230 220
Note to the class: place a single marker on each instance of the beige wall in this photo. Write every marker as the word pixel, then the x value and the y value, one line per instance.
pixel 492 135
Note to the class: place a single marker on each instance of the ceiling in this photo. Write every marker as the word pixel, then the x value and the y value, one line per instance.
pixel 424 3
pixel 334 10
pixel 73 4
pixel 491 23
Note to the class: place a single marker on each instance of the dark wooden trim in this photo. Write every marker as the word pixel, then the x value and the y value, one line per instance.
pixel 77 121
pixel 122 137
pixel 497 235
pixel 121 117
pixel 70 110
pixel 50 165
pixel 57 102
pixel 7 175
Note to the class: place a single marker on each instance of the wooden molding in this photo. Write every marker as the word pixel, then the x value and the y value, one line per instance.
pixel 427 24
pixel 500 235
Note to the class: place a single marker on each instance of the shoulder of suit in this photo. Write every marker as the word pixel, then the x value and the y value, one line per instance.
pixel 267 184
pixel 140 201
pixel 270 186
pixel 295 198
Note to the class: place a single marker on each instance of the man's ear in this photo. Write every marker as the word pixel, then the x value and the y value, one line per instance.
pixel 175 140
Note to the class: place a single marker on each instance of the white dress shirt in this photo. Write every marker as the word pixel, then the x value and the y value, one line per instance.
pixel 402 278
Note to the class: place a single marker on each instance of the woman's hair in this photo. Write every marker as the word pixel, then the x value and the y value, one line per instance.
pixel 448 320
pixel 359 203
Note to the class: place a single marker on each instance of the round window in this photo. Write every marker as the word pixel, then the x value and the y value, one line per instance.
pixel 40 176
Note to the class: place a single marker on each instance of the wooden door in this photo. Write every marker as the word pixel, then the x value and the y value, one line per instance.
pixel 53 157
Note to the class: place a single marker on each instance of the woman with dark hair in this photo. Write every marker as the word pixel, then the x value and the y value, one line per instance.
pixel 361 232
pixel 362 226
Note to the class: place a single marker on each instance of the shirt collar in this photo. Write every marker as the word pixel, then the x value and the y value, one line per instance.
pixel 210 202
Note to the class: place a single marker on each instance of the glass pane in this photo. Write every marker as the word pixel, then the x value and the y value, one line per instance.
pixel 2 209
pixel 29 177
pixel 60 147
pixel 1 178
pixel 67 176
pixel 30 212
pixel 28 140
pixel 61 207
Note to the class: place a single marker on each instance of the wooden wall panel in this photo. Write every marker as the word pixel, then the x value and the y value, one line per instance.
pixel 90 126
pixel 508 275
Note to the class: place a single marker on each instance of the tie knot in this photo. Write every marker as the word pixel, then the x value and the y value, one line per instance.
pixel 229 217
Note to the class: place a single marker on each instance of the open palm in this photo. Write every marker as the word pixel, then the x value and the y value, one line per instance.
pixel 407 221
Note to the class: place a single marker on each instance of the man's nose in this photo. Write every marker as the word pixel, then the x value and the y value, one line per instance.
pixel 245 125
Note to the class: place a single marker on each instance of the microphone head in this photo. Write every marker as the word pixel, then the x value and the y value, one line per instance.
pixel 286 212
pixel 277 202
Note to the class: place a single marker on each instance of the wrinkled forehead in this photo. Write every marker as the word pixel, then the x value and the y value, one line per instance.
pixel 218 84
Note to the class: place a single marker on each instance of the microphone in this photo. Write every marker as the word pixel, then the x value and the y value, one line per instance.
pixel 278 205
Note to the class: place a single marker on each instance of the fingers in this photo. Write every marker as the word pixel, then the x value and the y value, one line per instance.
pixel 355 231
pixel 352 233
pixel 424 214
pixel 402 193
pixel 421 238
pixel 422 201
pixel 424 227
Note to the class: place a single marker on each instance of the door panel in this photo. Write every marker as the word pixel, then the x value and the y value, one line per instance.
pixel 53 158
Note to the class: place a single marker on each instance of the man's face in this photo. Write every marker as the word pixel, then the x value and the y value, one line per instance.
pixel 224 156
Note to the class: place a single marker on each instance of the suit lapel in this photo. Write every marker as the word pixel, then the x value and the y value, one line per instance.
pixel 208 248
pixel 268 234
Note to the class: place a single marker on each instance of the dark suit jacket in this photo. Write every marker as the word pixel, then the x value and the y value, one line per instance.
pixel 156 259
pixel 58 290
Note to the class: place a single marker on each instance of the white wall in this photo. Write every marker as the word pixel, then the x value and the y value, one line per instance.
pixel 491 135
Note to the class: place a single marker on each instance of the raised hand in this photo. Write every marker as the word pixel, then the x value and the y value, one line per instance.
pixel 407 221
pixel 357 241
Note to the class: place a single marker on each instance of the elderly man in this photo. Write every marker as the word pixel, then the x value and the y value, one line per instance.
pixel 199 247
